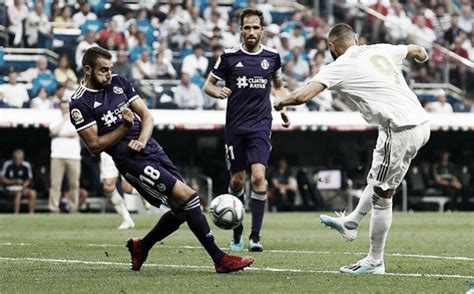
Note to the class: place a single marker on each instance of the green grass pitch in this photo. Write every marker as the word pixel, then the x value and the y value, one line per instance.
pixel 85 253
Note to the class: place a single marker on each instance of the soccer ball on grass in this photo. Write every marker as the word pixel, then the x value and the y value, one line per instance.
pixel 226 211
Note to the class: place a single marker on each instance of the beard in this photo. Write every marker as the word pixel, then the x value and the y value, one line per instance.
pixel 334 56
pixel 252 44
pixel 95 82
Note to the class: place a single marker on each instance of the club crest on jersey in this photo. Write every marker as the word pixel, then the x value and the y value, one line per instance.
pixel 264 64
pixel 77 116
pixel 118 90
pixel 161 188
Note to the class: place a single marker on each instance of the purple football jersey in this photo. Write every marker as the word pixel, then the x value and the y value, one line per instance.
pixel 104 109
pixel 249 76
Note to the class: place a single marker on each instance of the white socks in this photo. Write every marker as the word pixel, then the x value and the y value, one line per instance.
pixel 119 206
pixel 363 207
pixel 380 223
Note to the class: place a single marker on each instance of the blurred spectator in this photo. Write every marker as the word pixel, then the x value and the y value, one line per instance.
pixel 301 65
pixel 141 46
pixel 284 186
pixel 17 178
pixel 465 19
pixel 272 39
pixel 285 44
pixel 422 35
pixel 195 62
pixel 215 21
pixel 196 20
pixel 289 70
pixel 65 159
pixel 41 102
pixel 163 67
pixel 143 68
pixel 64 20
pixel 16 14
pixel 117 7
pixel 446 179
pixel 457 74
pixel 36 23
pixel 374 24
pixel 213 6
pixel 440 105
pixel 14 94
pixel 89 41
pixel 83 14
pixel 64 73
pixel 231 38
pixel 185 33
pixel 58 96
pixel 122 65
pixel 453 31
pixel 111 31
pixel 441 21
pixel 165 50
pixel 188 95
pixel 131 35
pixel 397 24
pixel 296 38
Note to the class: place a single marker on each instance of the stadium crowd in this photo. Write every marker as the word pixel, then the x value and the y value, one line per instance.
pixel 169 49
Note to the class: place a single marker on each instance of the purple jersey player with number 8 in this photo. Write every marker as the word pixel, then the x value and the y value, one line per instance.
pixel 110 117
pixel 248 71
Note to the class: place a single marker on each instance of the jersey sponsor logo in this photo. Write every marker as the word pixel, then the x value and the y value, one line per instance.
pixel 111 117
pixel 97 104
pixel 264 64
pixel 118 90
pixel 77 116
pixel 253 83
pixel 240 64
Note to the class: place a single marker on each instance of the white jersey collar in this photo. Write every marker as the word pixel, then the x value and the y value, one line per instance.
pixel 251 53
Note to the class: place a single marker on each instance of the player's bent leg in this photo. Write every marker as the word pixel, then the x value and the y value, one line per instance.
pixel 338 223
pixel 236 188
pixel 198 224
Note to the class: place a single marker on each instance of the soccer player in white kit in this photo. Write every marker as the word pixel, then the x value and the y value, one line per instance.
pixel 109 174
pixel 371 77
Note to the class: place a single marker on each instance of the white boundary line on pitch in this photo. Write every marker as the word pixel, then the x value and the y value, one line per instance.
pixel 183 266
pixel 462 258
pixel 425 256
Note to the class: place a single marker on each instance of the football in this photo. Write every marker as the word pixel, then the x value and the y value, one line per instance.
pixel 226 211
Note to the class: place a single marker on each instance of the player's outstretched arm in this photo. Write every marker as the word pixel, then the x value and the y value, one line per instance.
pixel 212 90
pixel 418 53
pixel 280 91
pixel 96 143
pixel 300 96
pixel 139 107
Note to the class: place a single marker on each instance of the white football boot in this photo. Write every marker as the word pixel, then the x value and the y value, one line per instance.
pixel 363 266
pixel 337 223
pixel 126 225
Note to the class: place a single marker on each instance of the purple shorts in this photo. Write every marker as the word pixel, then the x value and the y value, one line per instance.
pixel 242 150
pixel 151 173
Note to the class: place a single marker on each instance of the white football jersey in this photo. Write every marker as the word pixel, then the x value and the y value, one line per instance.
pixel 371 77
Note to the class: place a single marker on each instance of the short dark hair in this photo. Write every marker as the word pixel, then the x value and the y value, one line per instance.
pixel 251 12
pixel 91 55
pixel 341 31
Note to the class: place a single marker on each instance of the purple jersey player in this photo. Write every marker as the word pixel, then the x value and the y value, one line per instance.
pixel 110 116
pixel 248 71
